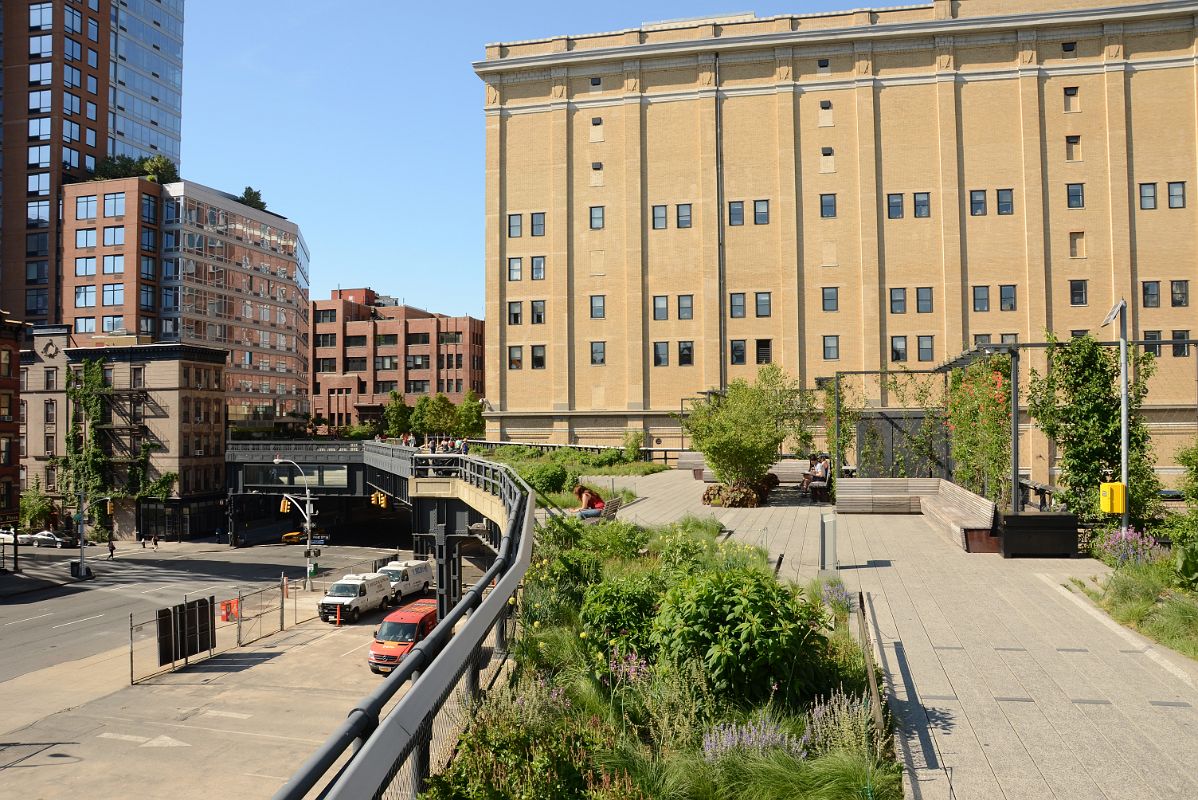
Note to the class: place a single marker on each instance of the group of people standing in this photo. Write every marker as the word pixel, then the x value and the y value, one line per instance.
pixel 434 444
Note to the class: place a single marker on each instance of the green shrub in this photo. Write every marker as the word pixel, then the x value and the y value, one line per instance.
pixel 545 478
pixel 683 551
pixel 618 614
pixel 606 458
pixel 633 442
pixel 756 638
pixel 561 532
pixel 614 539
pixel 1179 527
pixel 1185 565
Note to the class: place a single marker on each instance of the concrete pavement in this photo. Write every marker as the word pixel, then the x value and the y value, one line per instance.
pixel 1005 682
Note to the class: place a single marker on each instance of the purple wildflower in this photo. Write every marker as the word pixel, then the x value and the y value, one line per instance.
pixel 756 736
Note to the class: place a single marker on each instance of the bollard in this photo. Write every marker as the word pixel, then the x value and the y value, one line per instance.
pixel 338 616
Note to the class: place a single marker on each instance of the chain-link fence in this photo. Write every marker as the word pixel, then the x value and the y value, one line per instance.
pixel 173 637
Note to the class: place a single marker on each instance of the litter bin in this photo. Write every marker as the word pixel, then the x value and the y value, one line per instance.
pixel 312 569
pixel 75 571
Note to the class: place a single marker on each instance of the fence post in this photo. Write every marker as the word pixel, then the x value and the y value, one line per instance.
pixel 240 613
pixel 501 630
pixel 131 649
pixel 283 602
pixel 420 757
pixel 185 629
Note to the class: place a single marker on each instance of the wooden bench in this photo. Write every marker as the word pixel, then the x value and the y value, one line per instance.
pixel 609 511
pixel 882 495
pixel 788 470
pixel 965 516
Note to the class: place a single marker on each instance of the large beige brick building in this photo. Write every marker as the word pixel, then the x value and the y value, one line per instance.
pixel 681 202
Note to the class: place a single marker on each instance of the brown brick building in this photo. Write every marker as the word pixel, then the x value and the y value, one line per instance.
pixel 12 337
pixel 365 346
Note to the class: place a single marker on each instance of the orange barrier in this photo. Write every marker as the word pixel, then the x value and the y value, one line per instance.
pixel 229 610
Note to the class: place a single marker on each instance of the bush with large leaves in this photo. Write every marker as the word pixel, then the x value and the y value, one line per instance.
pixel 618 614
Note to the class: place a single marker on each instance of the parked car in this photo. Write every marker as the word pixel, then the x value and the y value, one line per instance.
pixel 52 539
pixel 299 537
pixel 7 537
pixel 27 538
pixel 408 577
pixel 349 597
pixel 399 633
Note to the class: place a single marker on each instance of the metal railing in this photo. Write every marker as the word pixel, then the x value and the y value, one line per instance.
pixel 321 450
pixel 393 755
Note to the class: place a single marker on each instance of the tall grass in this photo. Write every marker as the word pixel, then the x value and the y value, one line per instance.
pixel 1142 596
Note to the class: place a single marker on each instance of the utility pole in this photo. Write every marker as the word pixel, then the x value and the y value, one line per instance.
pixel 1121 309
pixel 307 513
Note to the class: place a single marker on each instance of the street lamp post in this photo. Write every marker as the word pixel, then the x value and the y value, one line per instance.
pixel 307 512
pixel 1120 309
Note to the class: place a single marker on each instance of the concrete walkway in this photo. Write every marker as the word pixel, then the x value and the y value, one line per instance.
pixel 1004 680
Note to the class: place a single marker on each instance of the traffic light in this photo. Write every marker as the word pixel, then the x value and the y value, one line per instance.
pixel 382 500
pixel 284 506
pixel 378 499
pixel 108 507
pixel 374 498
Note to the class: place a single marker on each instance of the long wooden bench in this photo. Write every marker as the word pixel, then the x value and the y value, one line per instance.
pixel 966 517
pixel 882 495
pixel 609 511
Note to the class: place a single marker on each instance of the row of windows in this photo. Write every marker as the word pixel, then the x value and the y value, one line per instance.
pixel 380 340
pixel 1179 293
pixel 515 224
pixel 515 268
pixel 113 294
pixel 1177 195
pixel 114 205
pixel 85 266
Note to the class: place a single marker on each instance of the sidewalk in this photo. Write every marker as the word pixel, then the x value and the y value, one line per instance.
pixel 1004 682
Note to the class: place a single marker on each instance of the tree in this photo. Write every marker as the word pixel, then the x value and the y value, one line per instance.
pixel 36 507
pixel 792 408
pixel 418 421
pixel 252 198
pixel 739 432
pixel 397 417
pixel 470 423
pixel 157 168
pixel 160 169
pixel 442 415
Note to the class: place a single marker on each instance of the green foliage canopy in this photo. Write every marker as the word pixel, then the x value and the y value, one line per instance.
pixel 979 422
pixel 470 423
pixel 35 505
pixel 397 416
pixel 252 198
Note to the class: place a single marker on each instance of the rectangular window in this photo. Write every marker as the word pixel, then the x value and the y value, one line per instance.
pixel 330 315
pixel 41 74
pixel 831 348
pixel 114 204
pixel 114 265
pixel 37 302
pixel 114 235
pixel 661 354
pixel 827 206
pixel 114 294
pixel 39 128
pixel 1078 293
pixel 686 354
pixel 149 209
pixel 515 357
pixel 538 356
pixel 598 354
pixel 923 204
pixel 39 156
pixel 326 340
pixel 736 352
pixel 515 311
pixel 514 266
pixel 1147 196
pixel 923 300
pixel 1073 148
pixel 831 298
pixel 37 244
pixel 1072 100
pixel 736 212
pixel 980 339
pixel 661 307
pixel 1075 195
pixel 85 297
pixel 898 348
pixel 85 237
pixel 149 239
pixel 977 203
pixel 926 351
pixel 1181 350
pixel 37 272
pixel 763 304
pixel 765 351
pixel 1006 202
pixel 513 225
pixel 538 223
pixel 597 306
pixel 659 217
pixel 1180 291
pixel 85 324
pixel 1152 336
pixel 536 316
pixel 1009 338
pixel 41 16
pixel 597 220
pixel 736 305
pixel 147 298
pixel 684 215
pixel 981 298
pixel 113 323
pixel 898 301
pixel 1151 294
pixel 1177 194
pixel 1006 297
pixel 894 206
pixel 38 183
pixel 761 212
pixel 686 306
pixel 538 268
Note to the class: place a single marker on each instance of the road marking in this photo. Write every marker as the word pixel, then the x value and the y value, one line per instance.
pixel 206 588
pixel 215 730
pixel 27 619
pixel 124 737
pixel 359 647
pixel 156 588
pixel 85 619
pixel 232 714
pixel 165 741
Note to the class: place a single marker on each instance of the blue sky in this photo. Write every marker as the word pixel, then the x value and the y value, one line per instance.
pixel 362 121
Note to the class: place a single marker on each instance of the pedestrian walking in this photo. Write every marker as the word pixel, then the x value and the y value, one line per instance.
pixel 155 541
pixel 137 535
pixel 111 550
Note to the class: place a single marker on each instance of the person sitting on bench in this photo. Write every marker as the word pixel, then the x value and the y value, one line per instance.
pixel 590 504
pixel 819 480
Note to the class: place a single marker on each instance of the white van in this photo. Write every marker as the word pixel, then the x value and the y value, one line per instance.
pixel 353 595
pixel 408 577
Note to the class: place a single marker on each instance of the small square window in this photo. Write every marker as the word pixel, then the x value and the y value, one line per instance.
pixel 831 348
pixel 981 298
pixel 661 307
pixel 1078 293
pixel 761 212
pixel 825 105
pixel 1151 293
pixel 1006 297
pixel 1180 291
pixel 659 217
pixel 1177 194
pixel 736 305
pixel 684 215
pixel 898 301
pixel 831 297
pixel 597 166
pixel 596 121
pixel 736 352
pixel 977 203
pixel 1006 202
pixel 1069 49
pixel 736 212
pixel 823 66
pixel 1147 196
pixel 894 206
pixel 923 300
pixel 898 348
pixel 596 81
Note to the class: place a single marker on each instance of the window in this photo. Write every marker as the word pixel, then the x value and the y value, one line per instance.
pixel 823 66
pixel 765 351
pixel 330 315
pixel 41 74
pixel 85 237
pixel 114 265
pixel 326 340
pixel 923 204
pixel 659 217
pixel 1177 194
pixel 831 348
pixel 420 387
pixel 322 364
pixel 597 218
pixel 113 323
pixel 39 156
pixel 923 300
pixel 1147 196
pixel 686 306
pixel 980 339
pixel 597 82
pixel 41 46
pixel 1009 338
pixel 684 215
pixel 39 128
pixel 85 296
pixel 1073 148
pixel 1180 291
pixel 661 307
pixel 981 298
pixel 513 268
pixel 93 30
pixel 85 324
pixel 538 268
pixel 1151 292
pixel 70 103
pixel 977 203
pixel 827 206
pixel 513 225
pixel 515 357
pixel 763 304
pixel 37 244
pixel 1006 202
pixel 598 354
pixel 114 294
pixel 41 16
pixel 736 305
pixel 39 183
pixel 1006 297
pixel 1181 350
pixel 661 354
pixel 761 212
pixel 898 348
pixel 597 306
pixel 114 204
pixel 170 298
pixel 831 298
pixel 1076 195
pixel 39 101
pixel 149 239
pixel 536 313
pixel 147 298
pixel 538 223
pixel 826 119
pixel 1152 336
pixel 149 209
pixel 72 77
pixel 1077 293
pixel 1068 49
pixel 1077 244
pixel 50 379
pixel 736 213
pixel 538 356
pixel 898 301
pixel 37 303
pixel 114 235
pixel 894 206
pixel 736 352
pixel 37 272
pixel 514 313
pixel 926 351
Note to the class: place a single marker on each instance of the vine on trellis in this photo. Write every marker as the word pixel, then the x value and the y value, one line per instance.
pixel 979 424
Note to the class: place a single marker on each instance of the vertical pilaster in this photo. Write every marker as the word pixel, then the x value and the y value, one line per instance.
pixel 1037 299
pixel 869 156
pixel 630 222
pixel 706 213
pixel 1122 182
pixel 495 255
pixel 790 354
pixel 953 265
pixel 559 261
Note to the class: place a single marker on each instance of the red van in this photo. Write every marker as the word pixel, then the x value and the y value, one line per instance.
pixel 399 633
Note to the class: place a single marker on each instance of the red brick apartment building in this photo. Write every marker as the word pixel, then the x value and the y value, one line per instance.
pixel 12 334
pixel 366 345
